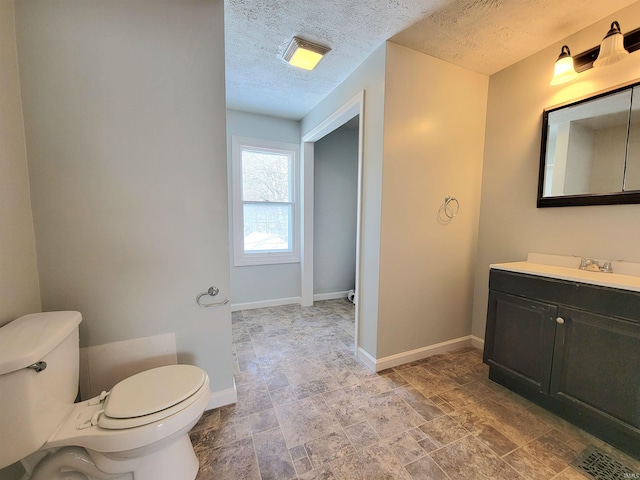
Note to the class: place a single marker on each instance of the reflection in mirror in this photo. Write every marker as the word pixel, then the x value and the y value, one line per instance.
pixel 586 147
pixel 591 151
pixel 632 173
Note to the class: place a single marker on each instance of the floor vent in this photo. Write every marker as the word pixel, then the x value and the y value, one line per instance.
pixel 600 466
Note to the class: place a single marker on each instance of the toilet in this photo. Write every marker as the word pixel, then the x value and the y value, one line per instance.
pixel 138 430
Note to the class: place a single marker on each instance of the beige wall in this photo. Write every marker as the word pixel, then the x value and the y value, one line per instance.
pixel 510 224
pixel 609 152
pixel 124 110
pixel 434 118
pixel 632 174
pixel 19 290
pixel 420 146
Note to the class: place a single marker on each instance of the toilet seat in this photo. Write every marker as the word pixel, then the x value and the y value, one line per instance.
pixel 81 428
pixel 150 396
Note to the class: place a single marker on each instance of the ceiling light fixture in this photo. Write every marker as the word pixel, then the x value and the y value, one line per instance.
pixel 304 54
pixel 564 71
pixel 614 47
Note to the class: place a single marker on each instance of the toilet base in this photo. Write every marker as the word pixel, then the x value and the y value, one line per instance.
pixel 176 460
pixel 66 463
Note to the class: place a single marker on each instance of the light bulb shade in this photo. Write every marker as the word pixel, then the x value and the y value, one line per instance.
pixel 304 54
pixel 564 71
pixel 612 47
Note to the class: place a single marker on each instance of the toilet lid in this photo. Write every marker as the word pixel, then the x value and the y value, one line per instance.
pixel 151 392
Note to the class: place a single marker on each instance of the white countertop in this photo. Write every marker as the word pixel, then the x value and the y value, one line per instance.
pixel 573 274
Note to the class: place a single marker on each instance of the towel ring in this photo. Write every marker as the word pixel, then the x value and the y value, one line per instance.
pixel 212 292
pixel 449 209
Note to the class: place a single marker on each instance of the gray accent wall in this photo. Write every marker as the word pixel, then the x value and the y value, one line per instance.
pixel 124 112
pixel 259 283
pixel 335 211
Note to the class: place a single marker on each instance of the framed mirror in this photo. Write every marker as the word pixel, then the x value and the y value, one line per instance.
pixel 590 152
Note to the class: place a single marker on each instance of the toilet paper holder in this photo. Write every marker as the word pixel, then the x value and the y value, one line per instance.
pixel 212 292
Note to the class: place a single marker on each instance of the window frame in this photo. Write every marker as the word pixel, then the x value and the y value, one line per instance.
pixel 248 258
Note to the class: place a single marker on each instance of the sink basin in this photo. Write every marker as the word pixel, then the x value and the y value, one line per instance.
pixel 626 276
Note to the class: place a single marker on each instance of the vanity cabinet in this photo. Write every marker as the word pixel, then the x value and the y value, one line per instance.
pixel 571 347
pixel 522 338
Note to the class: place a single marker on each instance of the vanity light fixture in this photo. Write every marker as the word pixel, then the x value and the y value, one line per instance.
pixel 304 54
pixel 615 46
pixel 612 47
pixel 564 70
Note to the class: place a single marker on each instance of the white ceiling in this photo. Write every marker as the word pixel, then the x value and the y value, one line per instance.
pixel 481 35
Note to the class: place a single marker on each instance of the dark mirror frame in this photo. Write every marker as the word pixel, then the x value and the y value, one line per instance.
pixel 612 198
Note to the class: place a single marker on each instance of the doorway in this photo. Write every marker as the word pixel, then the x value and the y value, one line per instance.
pixel 353 108
pixel 335 182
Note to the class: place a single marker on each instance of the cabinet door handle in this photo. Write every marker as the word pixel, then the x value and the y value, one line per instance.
pixel 560 321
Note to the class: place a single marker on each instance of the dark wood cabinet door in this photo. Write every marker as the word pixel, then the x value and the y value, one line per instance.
pixel 519 339
pixel 596 366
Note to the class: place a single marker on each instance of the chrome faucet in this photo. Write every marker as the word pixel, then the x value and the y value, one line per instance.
pixel 593 265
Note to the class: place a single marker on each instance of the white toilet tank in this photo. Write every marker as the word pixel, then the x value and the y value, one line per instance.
pixel 33 403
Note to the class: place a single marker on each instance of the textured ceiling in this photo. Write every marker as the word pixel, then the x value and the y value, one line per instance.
pixel 481 35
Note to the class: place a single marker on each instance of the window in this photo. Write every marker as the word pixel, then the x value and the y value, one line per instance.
pixel 265 208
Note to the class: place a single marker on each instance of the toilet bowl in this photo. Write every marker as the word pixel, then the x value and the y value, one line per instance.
pixel 137 430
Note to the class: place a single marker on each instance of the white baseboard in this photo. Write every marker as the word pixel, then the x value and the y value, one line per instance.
pixel 223 397
pixel 380 364
pixel 317 297
pixel 367 359
pixel 236 307
pixel 477 342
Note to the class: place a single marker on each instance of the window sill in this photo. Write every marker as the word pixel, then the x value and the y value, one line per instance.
pixel 248 260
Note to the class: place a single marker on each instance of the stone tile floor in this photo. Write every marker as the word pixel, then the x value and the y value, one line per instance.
pixel 307 409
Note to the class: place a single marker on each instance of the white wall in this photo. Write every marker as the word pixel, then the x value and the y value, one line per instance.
pixel 368 76
pixel 259 283
pixel 125 124
pixel 433 146
pixel 19 289
pixel 510 224
pixel 335 211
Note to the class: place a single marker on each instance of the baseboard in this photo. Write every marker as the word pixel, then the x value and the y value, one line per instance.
pixel 236 307
pixel 223 397
pixel 380 364
pixel 367 359
pixel 477 342
pixel 317 297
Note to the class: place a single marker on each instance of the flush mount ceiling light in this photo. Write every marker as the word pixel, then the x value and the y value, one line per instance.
pixel 304 54
pixel 564 70
pixel 612 47
pixel 615 47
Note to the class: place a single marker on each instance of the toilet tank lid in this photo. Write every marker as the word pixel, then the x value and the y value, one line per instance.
pixel 30 338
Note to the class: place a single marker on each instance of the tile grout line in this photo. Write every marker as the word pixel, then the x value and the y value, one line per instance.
pixel 311 333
